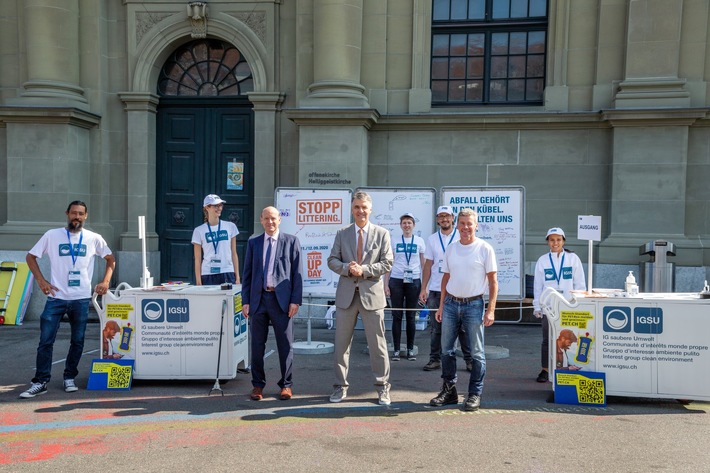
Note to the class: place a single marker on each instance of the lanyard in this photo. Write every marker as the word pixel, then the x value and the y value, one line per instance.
pixel 215 237
pixel 71 248
pixel 441 241
pixel 408 253
pixel 557 275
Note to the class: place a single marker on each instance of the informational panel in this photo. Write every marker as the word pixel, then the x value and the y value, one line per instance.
pixel 388 204
pixel 650 345
pixel 314 216
pixel 501 222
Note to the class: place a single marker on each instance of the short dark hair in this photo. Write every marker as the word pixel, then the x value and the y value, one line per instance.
pixel 77 202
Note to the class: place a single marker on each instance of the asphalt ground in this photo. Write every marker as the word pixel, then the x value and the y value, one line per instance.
pixel 176 426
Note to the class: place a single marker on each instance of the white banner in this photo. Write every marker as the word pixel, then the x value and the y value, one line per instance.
pixel 314 216
pixel 501 222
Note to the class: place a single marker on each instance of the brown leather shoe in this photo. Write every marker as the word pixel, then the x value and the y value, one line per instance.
pixel 286 394
pixel 257 394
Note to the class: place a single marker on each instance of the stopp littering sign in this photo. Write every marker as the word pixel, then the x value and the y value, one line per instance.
pixel 314 216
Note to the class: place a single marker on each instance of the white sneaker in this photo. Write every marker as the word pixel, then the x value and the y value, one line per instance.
pixel 340 393
pixel 35 390
pixel 70 386
pixel 384 395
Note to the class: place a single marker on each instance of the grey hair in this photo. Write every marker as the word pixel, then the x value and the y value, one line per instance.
pixel 360 195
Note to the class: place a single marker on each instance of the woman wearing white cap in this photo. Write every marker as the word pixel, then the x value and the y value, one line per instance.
pixel 404 283
pixel 215 246
pixel 561 269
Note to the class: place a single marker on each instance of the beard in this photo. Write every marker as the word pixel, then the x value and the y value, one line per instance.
pixel 74 225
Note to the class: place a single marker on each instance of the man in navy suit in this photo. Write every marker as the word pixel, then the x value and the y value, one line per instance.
pixel 272 291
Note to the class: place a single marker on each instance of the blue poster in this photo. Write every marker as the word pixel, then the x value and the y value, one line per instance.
pixel 585 388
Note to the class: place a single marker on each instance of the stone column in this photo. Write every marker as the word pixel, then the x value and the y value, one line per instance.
pixel 653 56
pixel 141 110
pixel 52 51
pixel 266 138
pixel 337 52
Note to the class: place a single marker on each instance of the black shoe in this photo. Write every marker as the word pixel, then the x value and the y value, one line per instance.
pixel 469 365
pixel 395 355
pixel 543 377
pixel 448 395
pixel 472 403
pixel 432 365
pixel 410 355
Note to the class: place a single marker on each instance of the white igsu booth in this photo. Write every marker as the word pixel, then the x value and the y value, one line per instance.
pixel 653 345
pixel 176 331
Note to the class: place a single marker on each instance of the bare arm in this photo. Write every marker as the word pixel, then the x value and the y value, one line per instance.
pixel 44 285
pixel 235 259
pixel 489 316
pixel 102 287
pixel 197 250
pixel 426 275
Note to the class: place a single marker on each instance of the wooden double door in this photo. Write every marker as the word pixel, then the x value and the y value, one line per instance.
pixel 204 146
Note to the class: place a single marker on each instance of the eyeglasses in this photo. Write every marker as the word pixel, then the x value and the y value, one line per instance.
pixel 216 205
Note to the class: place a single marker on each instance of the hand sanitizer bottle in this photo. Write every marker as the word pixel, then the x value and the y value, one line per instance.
pixel 631 286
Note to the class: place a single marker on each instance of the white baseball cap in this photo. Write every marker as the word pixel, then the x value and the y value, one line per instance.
pixel 213 199
pixel 445 209
pixel 407 215
pixel 555 231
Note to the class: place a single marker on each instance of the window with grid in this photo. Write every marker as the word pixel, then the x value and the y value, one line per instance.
pixel 488 52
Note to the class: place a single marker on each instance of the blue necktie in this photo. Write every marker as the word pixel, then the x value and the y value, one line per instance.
pixel 267 262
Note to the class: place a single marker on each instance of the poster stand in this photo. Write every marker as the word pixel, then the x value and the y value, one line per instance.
pixel 309 347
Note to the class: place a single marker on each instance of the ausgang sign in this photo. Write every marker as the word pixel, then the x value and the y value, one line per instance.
pixel 589 227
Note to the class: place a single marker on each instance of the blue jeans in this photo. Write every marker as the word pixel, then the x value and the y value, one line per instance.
pixel 217 279
pixel 54 310
pixel 469 317
pixel 432 303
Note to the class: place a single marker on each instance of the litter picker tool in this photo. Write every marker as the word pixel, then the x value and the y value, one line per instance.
pixel 216 386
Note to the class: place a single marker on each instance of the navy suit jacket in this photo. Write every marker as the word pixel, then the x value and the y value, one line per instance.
pixel 288 278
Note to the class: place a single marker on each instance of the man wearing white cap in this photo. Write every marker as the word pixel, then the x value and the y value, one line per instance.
pixel 432 274
pixel 561 269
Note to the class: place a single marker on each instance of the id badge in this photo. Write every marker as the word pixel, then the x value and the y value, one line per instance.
pixel 74 279
pixel 441 262
pixel 215 265
pixel 408 276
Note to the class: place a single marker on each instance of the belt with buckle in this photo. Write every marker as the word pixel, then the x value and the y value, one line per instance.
pixel 270 289
pixel 464 300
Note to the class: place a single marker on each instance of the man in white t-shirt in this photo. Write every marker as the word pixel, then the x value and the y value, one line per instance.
pixel 71 251
pixel 470 269
pixel 431 285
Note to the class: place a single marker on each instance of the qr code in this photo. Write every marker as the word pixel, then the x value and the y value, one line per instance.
pixel 119 377
pixel 591 391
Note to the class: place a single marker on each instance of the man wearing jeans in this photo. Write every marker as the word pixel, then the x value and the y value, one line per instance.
pixel 431 285
pixel 71 251
pixel 469 268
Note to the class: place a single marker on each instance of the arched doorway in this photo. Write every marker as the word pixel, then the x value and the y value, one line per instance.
pixel 205 145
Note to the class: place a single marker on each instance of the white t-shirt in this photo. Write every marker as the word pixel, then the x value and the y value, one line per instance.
pixel 73 279
pixel 404 247
pixel 435 248
pixel 220 261
pixel 468 267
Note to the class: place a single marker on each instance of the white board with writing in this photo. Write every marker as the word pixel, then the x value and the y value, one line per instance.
pixel 501 222
pixel 389 203
pixel 314 216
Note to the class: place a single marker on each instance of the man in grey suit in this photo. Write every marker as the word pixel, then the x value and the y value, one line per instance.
pixel 361 255
pixel 272 290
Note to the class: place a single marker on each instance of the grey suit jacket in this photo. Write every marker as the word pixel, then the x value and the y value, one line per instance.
pixel 376 261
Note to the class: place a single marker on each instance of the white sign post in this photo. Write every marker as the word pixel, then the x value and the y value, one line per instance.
pixel 589 227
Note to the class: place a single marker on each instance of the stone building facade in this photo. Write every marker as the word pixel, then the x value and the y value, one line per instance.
pixel 608 114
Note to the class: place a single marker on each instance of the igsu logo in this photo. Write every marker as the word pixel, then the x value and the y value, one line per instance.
pixel 178 310
pixel 171 310
pixel 648 320
pixel 153 310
